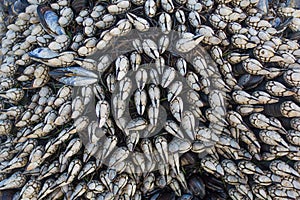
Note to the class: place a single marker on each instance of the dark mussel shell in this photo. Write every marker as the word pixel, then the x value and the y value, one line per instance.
pixel 273 110
pixel 78 5
pixel 188 158
pixel 49 20
pixel 286 122
pixel 196 186
pixel 74 71
pixel 284 24
pixel 19 6
pixel 295 36
pixel 43 53
pixel 163 195
pixel 238 69
pixel 248 81
pixel 263 5
pixel 186 197
pixel 7 194
pixel 214 187
pixel 276 22
pixel 212 183
pixel 74 76
pixel 216 196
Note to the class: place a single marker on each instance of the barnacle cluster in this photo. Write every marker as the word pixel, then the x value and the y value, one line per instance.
pixel 150 99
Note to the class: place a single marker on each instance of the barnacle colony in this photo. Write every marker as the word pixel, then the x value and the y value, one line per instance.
pixel 118 99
